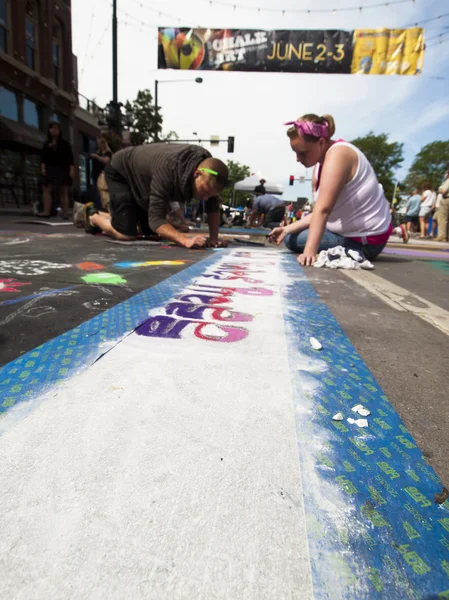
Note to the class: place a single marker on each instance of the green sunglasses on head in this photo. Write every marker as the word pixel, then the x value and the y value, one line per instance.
pixel 220 179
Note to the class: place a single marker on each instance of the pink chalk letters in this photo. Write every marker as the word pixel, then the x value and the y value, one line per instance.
pixel 199 310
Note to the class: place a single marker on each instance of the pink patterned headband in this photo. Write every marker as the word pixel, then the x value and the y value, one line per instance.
pixel 314 129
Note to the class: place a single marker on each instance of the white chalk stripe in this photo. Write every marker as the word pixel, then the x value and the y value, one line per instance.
pixel 401 299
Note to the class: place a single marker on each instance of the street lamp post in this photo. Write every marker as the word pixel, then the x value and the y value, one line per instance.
pixel 156 84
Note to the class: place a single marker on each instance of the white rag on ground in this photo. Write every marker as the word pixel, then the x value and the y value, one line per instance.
pixel 342 258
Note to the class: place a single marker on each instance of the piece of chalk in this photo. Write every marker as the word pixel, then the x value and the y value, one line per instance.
pixel 315 344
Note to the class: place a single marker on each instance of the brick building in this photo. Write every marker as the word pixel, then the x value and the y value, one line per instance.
pixel 38 84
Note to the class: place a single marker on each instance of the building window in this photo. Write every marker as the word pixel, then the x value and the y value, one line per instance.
pixel 4 25
pixel 31 29
pixel 30 113
pixel 8 104
pixel 57 53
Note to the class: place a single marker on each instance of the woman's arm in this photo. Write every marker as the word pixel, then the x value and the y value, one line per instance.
pixel 336 172
pixel 278 233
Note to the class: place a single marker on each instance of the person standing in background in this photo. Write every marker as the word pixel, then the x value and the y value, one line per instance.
pixel 99 161
pixel 412 211
pixel 443 209
pixel 57 170
pixel 428 200
pixel 260 189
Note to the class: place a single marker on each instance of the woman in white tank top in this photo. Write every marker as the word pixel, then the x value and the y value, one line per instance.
pixel 350 209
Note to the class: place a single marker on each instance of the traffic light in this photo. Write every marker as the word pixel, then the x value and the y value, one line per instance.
pixel 292 179
pixel 230 144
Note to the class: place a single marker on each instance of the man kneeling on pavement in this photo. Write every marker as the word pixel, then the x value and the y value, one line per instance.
pixel 144 180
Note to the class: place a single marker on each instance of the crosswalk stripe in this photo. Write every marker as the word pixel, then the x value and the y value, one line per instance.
pixel 401 299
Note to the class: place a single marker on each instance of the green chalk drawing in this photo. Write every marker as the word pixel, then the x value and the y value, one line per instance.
pixel 103 278
pixel 441 265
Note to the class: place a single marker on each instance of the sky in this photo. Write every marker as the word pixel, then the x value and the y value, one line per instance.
pixel 253 106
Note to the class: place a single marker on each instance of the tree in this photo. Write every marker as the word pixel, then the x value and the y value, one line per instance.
pixel 144 122
pixel 237 172
pixel 384 156
pixel 429 165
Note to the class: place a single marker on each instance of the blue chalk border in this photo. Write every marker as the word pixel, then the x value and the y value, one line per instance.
pixel 393 542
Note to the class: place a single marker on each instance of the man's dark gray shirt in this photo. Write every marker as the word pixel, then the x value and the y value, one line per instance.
pixel 161 173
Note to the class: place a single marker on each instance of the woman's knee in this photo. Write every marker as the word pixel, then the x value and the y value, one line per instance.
pixel 291 241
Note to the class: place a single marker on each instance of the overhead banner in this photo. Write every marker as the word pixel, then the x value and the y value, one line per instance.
pixel 362 51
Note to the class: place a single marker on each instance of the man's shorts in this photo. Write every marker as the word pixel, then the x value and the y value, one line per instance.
pixel 126 214
pixel 413 220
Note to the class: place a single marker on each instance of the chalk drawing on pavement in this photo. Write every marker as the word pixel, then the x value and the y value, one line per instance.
pixel 203 308
pixel 104 278
pixel 149 263
pixel 90 266
pixel 32 300
pixel 11 285
pixel 100 304
pixel 29 268
pixel 38 311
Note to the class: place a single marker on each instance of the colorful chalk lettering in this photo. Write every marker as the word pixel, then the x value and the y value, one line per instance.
pixel 197 311
pixel 162 326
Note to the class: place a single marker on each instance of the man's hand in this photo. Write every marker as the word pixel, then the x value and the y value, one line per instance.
pixel 218 244
pixel 277 235
pixel 199 241
pixel 307 258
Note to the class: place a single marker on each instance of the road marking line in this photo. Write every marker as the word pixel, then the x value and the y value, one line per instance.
pixel 401 299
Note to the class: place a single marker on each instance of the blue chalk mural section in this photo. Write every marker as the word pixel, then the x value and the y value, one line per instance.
pixel 391 541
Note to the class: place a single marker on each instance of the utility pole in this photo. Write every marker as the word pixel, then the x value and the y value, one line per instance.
pixel 156 108
pixel 115 103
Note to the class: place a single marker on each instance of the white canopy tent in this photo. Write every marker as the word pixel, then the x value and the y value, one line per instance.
pixel 248 185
